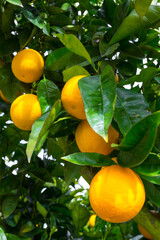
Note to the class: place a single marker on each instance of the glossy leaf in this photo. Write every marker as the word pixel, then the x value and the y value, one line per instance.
pixel 9 205
pixel 91 159
pixel 152 192
pixel 2 234
pixel 133 24
pixel 131 106
pixel 150 167
pixel 141 6
pixel 138 141
pixel 99 95
pixel 48 93
pixel 36 20
pixel 145 75
pixel 74 71
pixel 151 179
pixel 58 59
pixel 73 44
pixel 40 129
pixel 41 209
pixel 15 2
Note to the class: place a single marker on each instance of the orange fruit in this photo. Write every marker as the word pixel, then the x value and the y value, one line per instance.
pixel 28 65
pixel 24 111
pixel 116 78
pixel 145 233
pixel 89 141
pixel 4 98
pixel 92 220
pixel 116 194
pixel 71 98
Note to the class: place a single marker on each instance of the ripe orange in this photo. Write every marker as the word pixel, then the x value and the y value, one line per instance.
pixel 89 141
pixel 28 65
pixel 116 194
pixel 71 98
pixel 145 233
pixel 92 220
pixel 24 110
pixel 4 98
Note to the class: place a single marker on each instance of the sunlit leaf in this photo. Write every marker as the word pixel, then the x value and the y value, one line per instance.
pixel 15 2
pixel 99 95
pixel 74 71
pixel 133 24
pixel 40 129
pixel 73 44
pixel 142 6
pixel 91 159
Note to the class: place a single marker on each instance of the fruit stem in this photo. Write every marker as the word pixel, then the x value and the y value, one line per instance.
pixel 148 221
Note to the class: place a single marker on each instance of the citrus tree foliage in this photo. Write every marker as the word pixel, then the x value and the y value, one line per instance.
pixel 38 196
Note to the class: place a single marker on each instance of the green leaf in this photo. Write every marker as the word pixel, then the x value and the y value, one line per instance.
pixel 154 180
pixel 41 209
pixel 91 159
pixel 141 6
pixel 58 59
pixel 8 184
pixel 152 192
pixel 27 227
pixel 99 96
pixel 40 129
pixel 106 50
pixel 70 172
pixel 37 21
pixel 48 93
pixel 145 75
pixel 15 2
pixel 133 24
pixel 131 106
pixel 11 236
pixel 150 167
pixel 73 44
pixel 41 174
pixel 80 215
pixel 9 85
pixel 9 205
pixel 7 19
pixel 74 71
pixel 139 141
pixel 2 234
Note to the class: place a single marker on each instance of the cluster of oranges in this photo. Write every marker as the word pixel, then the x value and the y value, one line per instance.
pixel 27 66
pixel 116 194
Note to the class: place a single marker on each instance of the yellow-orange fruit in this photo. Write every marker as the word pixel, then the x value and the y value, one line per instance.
pixel 89 141
pixel 116 194
pixel 25 110
pixel 4 98
pixel 92 220
pixel 116 78
pixel 71 98
pixel 28 65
